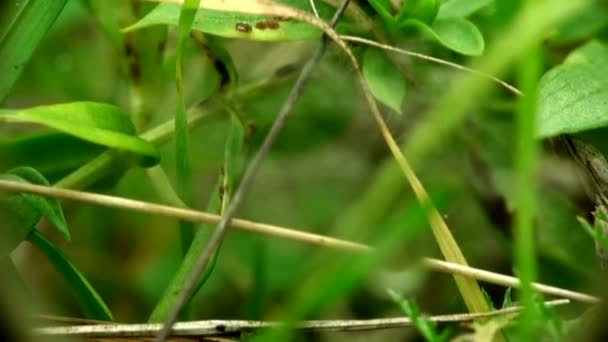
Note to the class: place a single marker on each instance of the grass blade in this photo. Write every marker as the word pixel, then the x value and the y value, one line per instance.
pixel 182 136
pixel 90 301
pixel 21 34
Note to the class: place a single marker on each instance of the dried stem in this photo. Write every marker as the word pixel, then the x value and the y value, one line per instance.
pixel 431 59
pixel 283 233
pixel 231 327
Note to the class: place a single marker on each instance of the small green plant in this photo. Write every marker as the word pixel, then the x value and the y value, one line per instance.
pixel 425 327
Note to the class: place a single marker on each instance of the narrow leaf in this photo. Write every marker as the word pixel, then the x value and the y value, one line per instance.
pixel 20 34
pixel 99 123
pixel 91 303
pixel 49 208
pixel 182 135
pixel 217 203
pixel 384 79
pixel 231 25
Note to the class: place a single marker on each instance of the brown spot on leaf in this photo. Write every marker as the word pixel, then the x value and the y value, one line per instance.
pixel 261 25
pixel 272 24
pixel 242 27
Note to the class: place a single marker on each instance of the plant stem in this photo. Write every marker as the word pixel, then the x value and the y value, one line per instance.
pixel 526 161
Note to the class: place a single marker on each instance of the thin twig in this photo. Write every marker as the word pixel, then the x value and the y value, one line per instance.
pixel 431 59
pixel 314 8
pixel 182 214
pixel 231 327
pixel 504 280
pixel 279 232
pixel 247 181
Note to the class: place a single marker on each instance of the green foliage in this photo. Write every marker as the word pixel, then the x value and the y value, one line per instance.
pixel 38 150
pixel 24 24
pixel 572 96
pixel 461 8
pixel 23 211
pixel 98 123
pixel 596 232
pixel 423 10
pixel 459 35
pixel 384 79
pixel 102 80
pixel 425 327
pixel 91 303
pixel 236 25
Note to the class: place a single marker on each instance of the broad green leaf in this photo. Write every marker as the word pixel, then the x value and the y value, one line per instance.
pixel 461 8
pixel 39 151
pixel 573 96
pixel 231 25
pixel 24 24
pixel 384 79
pixel 456 34
pixel 423 10
pixel 91 303
pixel 459 35
pixel 49 208
pixel 99 123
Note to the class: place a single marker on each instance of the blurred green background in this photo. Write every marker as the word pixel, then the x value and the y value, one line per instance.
pixel 325 160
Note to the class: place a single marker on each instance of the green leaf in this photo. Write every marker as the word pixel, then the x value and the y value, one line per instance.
pixel 573 96
pixel 461 8
pixel 39 152
pixel 384 79
pixel 425 326
pixel 91 303
pixel 423 10
pixel 383 8
pixel 24 24
pixel 582 25
pixel 459 35
pixel 20 212
pixel 99 123
pixel 232 154
pixel 182 134
pixel 49 208
pixel 219 199
pixel 456 34
pixel 18 218
pixel 230 25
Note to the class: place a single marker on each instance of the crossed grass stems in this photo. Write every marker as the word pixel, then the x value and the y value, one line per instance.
pixel 163 132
